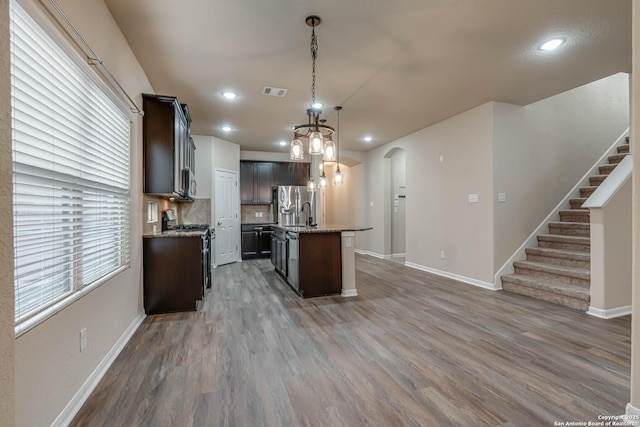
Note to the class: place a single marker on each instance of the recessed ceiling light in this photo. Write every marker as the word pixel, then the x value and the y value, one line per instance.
pixel 282 142
pixel 551 44
pixel 317 105
pixel 368 139
pixel 229 95
pixel 226 128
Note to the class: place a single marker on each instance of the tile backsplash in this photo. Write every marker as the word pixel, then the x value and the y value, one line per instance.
pixel 196 212
pixel 256 214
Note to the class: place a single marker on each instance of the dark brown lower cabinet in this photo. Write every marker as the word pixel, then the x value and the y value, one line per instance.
pixel 173 274
pixel 320 264
pixel 256 241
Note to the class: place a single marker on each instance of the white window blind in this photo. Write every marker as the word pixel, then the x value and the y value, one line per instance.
pixel 70 175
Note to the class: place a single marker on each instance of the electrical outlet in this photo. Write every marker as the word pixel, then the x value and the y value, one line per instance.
pixel 83 339
pixel 502 197
pixel 473 198
pixel 348 242
pixel 441 254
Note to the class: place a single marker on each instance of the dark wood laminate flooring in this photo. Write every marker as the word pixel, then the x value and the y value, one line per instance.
pixel 412 349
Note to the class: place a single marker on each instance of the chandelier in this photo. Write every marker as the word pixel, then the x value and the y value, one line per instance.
pixel 315 130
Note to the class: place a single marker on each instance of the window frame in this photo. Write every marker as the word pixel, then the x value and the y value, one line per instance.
pixel 44 19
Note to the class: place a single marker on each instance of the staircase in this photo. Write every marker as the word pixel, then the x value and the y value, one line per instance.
pixel 558 269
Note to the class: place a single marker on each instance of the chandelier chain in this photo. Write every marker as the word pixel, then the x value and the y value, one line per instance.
pixel 314 54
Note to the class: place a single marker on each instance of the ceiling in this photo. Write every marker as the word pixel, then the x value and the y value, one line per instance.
pixel 395 66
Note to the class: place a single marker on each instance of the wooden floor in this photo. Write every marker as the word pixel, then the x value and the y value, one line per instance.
pixel 412 349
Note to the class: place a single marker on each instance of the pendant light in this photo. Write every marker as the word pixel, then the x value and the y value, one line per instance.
pixel 322 182
pixel 315 129
pixel 297 150
pixel 338 178
pixel 329 151
pixel 311 185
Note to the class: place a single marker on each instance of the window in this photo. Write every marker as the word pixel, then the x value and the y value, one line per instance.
pixel 70 175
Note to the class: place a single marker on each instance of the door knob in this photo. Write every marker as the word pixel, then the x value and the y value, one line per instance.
pixel 219 223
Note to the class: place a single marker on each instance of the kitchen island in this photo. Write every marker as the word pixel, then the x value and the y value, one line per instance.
pixel 319 260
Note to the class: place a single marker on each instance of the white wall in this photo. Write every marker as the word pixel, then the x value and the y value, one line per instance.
pixel 203 166
pixel 339 206
pixel 49 369
pixel 212 153
pixel 398 213
pixel 635 130
pixel 269 157
pixel 534 154
pixel 611 258
pixel 543 149
pixel 7 340
pixel 438 216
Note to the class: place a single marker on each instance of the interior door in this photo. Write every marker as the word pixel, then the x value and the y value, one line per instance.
pixel 226 217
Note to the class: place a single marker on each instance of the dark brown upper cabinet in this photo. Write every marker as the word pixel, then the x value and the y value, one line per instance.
pixel 256 179
pixel 169 152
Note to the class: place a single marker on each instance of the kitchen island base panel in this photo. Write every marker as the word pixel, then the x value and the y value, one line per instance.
pixel 320 264
pixel 348 264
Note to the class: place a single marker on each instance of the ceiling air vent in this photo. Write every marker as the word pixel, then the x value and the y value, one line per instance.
pixel 274 91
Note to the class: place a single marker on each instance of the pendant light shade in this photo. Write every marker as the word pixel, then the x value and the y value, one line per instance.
pixel 338 178
pixel 316 143
pixel 297 150
pixel 322 182
pixel 329 151
pixel 311 185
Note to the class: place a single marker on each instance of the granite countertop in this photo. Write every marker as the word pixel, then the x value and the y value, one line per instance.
pixel 327 228
pixel 191 233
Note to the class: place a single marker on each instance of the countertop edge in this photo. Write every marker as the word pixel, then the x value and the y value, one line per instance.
pixel 174 234
pixel 326 229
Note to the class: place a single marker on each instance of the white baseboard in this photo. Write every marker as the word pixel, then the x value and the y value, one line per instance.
pixel 349 293
pixel 66 416
pixel 459 278
pixel 634 414
pixel 402 255
pixel 373 254
pixel 609 313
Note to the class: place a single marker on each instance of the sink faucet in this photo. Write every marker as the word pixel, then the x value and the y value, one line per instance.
pixel 309 218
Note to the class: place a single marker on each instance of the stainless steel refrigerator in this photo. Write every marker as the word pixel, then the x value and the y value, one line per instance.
pixel 293 205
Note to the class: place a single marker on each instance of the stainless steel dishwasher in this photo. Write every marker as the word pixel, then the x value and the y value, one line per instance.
pixel 293 275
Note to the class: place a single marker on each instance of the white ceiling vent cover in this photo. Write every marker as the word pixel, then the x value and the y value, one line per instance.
pixel 274 91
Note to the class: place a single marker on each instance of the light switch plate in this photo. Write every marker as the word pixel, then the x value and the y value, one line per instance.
pixel 502 197
pixel 473 198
